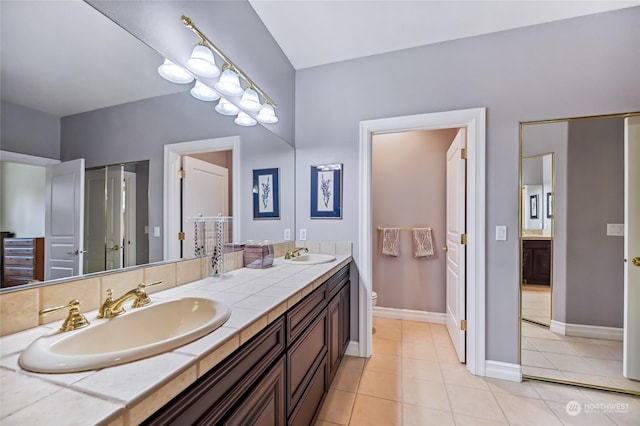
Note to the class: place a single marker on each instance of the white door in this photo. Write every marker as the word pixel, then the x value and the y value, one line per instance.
pixel 130 220
pixel 456 206
pixel 631 343
pixel 64 219
pixel 113 217
pixel 205 193
pixel 94 221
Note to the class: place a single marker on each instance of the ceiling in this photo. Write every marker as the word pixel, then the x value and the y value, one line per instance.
pixel 42 69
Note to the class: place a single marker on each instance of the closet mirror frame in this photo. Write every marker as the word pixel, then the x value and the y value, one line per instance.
pixel 521 157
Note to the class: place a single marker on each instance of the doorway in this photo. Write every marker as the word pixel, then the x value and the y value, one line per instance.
pixel 474 121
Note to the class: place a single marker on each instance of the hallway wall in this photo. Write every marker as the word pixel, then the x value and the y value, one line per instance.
pixel 409 189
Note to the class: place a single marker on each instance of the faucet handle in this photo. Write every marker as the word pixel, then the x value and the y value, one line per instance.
pixel 75 319
pixel 143 298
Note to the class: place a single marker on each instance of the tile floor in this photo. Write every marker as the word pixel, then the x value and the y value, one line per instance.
pixel 414 378
pixel 536 303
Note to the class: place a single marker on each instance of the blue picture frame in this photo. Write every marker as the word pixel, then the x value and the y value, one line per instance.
pixel 326 191
pixel 266 193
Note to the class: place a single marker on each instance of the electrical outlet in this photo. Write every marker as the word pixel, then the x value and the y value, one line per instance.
pixel 303 234
pixel 287 234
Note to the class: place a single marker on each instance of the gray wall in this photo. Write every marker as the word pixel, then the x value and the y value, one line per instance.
pixel 27 131
pixel 595 268
pixel 541 139
pixel 579 67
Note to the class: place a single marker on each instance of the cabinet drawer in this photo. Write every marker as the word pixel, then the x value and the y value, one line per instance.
pixel 300 316
pixel 19 251
pixel 19 261
pixel 303 358
pixel 19 242
pixel 18 271
pixel 335 283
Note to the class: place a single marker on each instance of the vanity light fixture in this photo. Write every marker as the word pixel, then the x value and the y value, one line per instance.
pixel 202 62
pixel 174 73
pixel 225 107
pixel 245 120
pixel 203 92
pixel 249 109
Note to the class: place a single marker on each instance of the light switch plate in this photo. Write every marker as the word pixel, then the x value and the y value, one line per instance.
pixel 615 229
pixel 156 231
pixel 287 234
pixel 501 233
pixel 303 234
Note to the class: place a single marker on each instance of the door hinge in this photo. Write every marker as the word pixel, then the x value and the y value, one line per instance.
pixel 463 239
pixel 181 236
pixel 463 153
pixel 181 174
pixel 463 325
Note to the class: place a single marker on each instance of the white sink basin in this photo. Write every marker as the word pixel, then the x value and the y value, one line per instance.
pixel 136 334
pixel 310 259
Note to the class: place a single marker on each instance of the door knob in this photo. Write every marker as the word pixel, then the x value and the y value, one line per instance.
pixel 115 248
pixel 76 252
pixel 636 261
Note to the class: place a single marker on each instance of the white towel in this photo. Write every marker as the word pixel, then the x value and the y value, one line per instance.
pixel 391 241
pixel 422 243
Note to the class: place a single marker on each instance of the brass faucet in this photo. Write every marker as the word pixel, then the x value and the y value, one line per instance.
pixel 112 308
pixel 75 319
pixel 290 254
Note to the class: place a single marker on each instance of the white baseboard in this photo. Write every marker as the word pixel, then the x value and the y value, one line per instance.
pixel 353 348
pixel 590 331
pixel 410 315
pixel 503 370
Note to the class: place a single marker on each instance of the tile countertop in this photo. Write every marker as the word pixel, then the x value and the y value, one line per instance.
pixel 129 393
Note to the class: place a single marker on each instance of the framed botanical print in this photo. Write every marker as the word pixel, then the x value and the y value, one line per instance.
pixel 266 194
pixel 326 191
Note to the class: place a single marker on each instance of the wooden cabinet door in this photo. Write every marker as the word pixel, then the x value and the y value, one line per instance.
pixel 265 404
pixel 345 317
pixel 335 341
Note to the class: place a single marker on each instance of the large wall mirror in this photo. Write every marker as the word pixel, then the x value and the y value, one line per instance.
pixel 580 290
pixel 118 118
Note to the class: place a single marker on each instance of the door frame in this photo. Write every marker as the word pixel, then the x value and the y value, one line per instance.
pixel 475 121
pixel 171 192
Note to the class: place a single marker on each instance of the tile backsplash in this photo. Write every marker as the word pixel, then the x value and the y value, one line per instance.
pixel 19 309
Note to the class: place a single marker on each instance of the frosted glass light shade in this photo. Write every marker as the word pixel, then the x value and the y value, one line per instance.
pixel 267 114
pixel 225 107
pixel 203 92
pixel 250 100
pixel 174 73
pixel 244 119
pixel 229 84
pixel 202 62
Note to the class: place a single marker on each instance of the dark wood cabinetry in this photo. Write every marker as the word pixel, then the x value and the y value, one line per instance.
pixel 281 375
pixel 23 260
pixel 536 262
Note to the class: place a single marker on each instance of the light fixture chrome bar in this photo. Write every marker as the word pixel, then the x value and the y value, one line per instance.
pixel 189 24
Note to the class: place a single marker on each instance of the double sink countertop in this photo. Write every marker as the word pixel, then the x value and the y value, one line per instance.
pixel 129 393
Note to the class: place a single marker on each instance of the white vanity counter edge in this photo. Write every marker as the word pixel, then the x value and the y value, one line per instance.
pixel 129 393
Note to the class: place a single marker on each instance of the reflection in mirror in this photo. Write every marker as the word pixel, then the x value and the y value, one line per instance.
pixel 123 112
pixel 587 335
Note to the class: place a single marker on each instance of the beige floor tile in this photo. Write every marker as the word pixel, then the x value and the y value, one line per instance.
pixel 387 333
pixel 387 323
pixel 419 350
pixel 526 344
pixel 589 379
pixel 323 423
pixel 582 418
pixel 372 411
pixel 381 385
pixel 559 393
pixel 414 415
pixel 605 367
pixel 425 394
pixel 474 402
pixel 337 407
pixel 386 347
pixel 384 364
pixel 552 345
pixel 543 372
pixel 457 374
pixel 570 363
pixel 421 369
pixel 535 359
pixel 347 379
pixel 595 350
pixel 526 411
pixel 514 388
pixel 446 354
pixel 464 420
pixel 353 362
